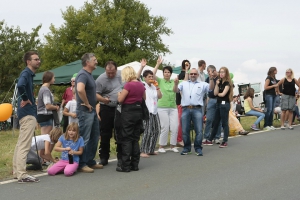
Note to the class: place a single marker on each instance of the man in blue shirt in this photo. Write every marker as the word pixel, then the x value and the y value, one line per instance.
pixel 27 117
pixel 192 93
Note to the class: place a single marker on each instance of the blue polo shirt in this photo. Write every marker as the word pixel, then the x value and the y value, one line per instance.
pixel 25 92
pixel 192 93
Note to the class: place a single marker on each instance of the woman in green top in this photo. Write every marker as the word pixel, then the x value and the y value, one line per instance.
pixel 167 109
pixel 251 110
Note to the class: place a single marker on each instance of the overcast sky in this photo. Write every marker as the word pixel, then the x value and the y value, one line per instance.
pixel 246 36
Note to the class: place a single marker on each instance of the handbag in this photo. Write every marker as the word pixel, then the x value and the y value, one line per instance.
pixel 145 111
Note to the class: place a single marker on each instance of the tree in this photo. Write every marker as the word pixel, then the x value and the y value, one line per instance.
pixel 122 30
pixel 13 45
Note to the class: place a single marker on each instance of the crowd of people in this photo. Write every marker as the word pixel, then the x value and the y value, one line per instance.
pixel 127 104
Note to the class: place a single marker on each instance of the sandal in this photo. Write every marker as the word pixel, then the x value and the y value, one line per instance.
pixel 243 132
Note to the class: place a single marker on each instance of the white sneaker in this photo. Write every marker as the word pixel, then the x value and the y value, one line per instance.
pixel 217 141
pixel 272 127
pixel 161 150
pixel 175 150
pixel 267 128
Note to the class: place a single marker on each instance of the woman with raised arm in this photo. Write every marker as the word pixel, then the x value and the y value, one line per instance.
pixel 152 126
pixel 288 98
pixel 271 90
pixel 167 109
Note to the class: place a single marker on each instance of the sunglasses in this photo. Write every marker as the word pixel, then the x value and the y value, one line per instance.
pixel 193 74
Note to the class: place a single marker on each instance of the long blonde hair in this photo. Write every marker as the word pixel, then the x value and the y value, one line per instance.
pixel 128 74
pixel 73 127
pixel 227 78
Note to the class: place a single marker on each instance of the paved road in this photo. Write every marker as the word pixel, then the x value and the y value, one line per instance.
pixel 259 166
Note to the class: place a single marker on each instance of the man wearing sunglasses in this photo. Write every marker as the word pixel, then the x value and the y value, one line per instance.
pixel 192 92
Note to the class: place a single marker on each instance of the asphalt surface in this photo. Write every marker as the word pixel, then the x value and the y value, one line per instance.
pixel 259 166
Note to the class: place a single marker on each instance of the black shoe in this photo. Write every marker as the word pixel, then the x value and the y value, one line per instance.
pixel 103 162
pixel 33 167
pixel 119 164
pixel 134 168
pixel 119 169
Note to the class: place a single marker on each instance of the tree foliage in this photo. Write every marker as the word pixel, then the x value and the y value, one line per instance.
pixel 122 30
pixel 13 45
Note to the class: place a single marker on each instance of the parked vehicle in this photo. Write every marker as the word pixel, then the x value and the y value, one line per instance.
pixel 241 89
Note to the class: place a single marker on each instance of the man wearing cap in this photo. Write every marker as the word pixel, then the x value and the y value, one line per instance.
pixel 192 93
pixel 67 96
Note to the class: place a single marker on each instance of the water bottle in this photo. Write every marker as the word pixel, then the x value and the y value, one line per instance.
pixel 70 159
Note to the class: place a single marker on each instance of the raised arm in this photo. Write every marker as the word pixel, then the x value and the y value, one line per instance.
pixel 187 68
pixel 143 64
pixel 158 63
pixel 175 88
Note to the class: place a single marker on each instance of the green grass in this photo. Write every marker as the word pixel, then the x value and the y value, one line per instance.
pixel 9 139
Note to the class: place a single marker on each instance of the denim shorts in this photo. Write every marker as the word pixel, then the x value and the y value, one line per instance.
pixel 47 123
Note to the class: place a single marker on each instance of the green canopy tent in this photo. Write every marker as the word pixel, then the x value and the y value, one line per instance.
pixel 177 70
pixel 64 73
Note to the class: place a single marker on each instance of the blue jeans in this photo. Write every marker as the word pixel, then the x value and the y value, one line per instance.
pixel 210 117
pixel 259 115
pixel 89 131
pixel 270 105
pixel 222 112
pixel 191 115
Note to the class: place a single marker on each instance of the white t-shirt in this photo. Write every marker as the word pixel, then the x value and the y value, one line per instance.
pixel 151 98
pixel 40 140
pixel 71 106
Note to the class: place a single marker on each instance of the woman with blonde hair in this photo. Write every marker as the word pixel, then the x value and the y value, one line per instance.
pixel 131 98
pixel 224 91
pixel 288 98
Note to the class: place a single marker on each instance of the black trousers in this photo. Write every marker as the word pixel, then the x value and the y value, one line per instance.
pixel 107 126
pixel 131 130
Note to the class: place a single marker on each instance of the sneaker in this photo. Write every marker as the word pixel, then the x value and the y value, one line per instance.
pixel 175 150
pixel 291 128
pixel 86 169
pixel 185 152
pixel 96 166
pixel 199 152
pixel 161 150
pixel 272 128
pixel 267 128
pixel 207 142
pixel 286 123
pixel 223 145
pixel 253 127
pixel 203 140
pixel 217 141
pixel 282 127
pixel 29 179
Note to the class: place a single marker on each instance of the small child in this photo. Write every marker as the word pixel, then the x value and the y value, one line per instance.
pixel 71 145
pixel 44 144
pixel 70 109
